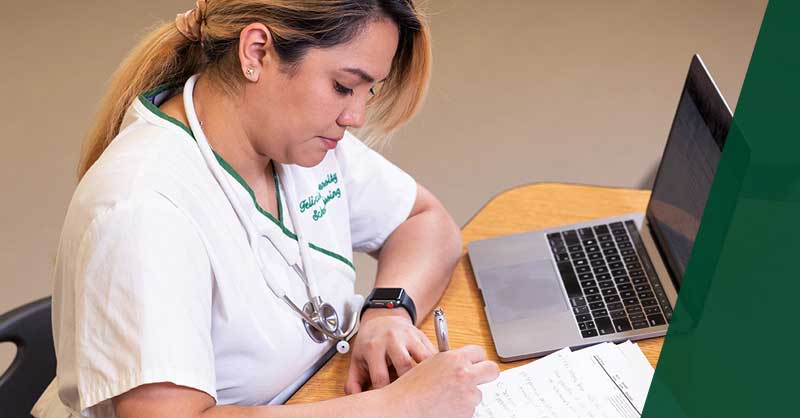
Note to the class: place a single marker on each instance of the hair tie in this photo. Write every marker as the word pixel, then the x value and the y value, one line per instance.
pixel 189 23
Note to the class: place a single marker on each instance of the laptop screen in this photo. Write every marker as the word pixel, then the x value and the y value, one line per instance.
pixel 687 169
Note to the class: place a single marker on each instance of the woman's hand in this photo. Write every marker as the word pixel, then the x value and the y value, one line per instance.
pixel 385 337
pixel 444 386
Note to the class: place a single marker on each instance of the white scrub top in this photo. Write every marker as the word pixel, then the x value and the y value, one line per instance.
pixel 155 280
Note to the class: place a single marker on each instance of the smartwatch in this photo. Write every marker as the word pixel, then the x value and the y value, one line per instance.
pixel 391 298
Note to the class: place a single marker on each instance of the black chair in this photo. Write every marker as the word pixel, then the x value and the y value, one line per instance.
pixel 34 366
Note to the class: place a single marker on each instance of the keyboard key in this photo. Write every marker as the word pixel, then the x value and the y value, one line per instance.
pixel 615 265
pixel 618 314
pixel 569 279
pixel 589 333
pixel 604 238
pixel 627 294
pixel 625 287
pixel 628 252
pixel 656 320
pixel 571 237
pixel 579 301
pixel 614 306
pixel 600 229
pixel 605 284
pixel 630 302
pixel 572 248
pixel 588 242
pixel 604 325
pixel 580 263
pixel 649 302
pixel 632 308
pixel 615 225
pixel 652 310
pixel 612 298
pixel 603 276
pixel 597 313
pixel 592 249
pixel 580 310
pixel 601 270
pixel 577 255
pixel 597 263
pixel 639 324
pixel 622 325
pixel 638 316
pixel 619 272
pixel 582 325
pixel 585 276
pixel 643 287
pixel 583 268
pixel 607 244
pixel 636 273
pixel 610 251
pixel 633 266
pixel 621 280
pixel 639 280
pixel 586 233
pixel 646 295
pixel 562 257
pixel 595 256
pixel 624 245
pixel 588 283
pixel 630 259
pixel 583 317
pixel 610 291
pixel 594 291
pixel 589 325
pixel 597 305
pixel 593 298
pixel 554 236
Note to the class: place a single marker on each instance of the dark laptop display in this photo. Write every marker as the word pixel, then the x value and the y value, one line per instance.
pixel 687 169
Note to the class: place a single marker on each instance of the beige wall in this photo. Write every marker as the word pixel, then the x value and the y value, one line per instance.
pixel 523 91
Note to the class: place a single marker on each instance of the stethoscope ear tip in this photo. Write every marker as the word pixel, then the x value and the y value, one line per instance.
pixel 343 347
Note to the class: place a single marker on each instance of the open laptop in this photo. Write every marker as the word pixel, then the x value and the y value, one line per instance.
pixel 616 278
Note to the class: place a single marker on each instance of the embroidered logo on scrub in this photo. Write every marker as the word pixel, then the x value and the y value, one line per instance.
pixel 318 202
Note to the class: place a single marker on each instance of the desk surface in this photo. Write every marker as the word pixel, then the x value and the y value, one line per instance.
pixel 524 208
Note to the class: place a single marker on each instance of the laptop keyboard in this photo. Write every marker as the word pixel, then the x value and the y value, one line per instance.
pixel 609 279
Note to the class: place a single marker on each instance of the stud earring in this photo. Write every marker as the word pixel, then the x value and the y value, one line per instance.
pixel 250 71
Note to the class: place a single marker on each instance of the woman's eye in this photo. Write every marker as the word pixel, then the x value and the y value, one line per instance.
pixel 344 91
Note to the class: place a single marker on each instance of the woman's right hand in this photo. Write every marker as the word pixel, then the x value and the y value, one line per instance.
pixel 443 386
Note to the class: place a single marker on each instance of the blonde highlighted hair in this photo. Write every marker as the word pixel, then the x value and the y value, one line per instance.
pixel 166 56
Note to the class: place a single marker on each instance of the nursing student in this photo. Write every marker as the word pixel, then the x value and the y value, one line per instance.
pixel 206 259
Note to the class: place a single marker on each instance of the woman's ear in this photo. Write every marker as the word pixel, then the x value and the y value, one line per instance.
pixel 255 50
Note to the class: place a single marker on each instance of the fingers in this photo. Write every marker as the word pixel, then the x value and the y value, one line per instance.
pixel 377 366
pixel 400 357
pixel 427 342
pixel 356 378
pixel 473 353
pixel 484 371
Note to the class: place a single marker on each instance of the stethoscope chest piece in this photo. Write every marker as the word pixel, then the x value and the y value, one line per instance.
pixel 325 316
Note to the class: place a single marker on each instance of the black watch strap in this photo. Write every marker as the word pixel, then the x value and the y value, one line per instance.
pixel 391 298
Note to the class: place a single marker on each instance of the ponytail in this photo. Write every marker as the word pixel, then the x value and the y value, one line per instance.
pixel 164 56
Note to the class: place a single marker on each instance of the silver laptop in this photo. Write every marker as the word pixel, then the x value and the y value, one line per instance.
pixel 611 279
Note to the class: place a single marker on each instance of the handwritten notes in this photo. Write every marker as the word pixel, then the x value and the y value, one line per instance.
pixel 602 381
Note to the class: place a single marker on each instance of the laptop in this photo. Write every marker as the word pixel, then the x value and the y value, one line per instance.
pixel 611 279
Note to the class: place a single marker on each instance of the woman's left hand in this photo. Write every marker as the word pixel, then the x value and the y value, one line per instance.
pixel 385 337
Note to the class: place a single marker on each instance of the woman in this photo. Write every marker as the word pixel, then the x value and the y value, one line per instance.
pixel 220 190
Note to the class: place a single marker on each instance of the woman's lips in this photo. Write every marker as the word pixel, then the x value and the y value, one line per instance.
pixel 330 143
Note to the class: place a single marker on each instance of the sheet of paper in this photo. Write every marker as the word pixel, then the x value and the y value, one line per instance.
pixel 603 381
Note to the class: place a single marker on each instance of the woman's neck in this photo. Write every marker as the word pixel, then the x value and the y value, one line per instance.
pixel 218 114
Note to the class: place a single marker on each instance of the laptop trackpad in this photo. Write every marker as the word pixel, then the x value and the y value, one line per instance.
pixel 522 291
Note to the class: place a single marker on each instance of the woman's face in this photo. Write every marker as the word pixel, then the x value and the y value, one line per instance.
pixel 288 116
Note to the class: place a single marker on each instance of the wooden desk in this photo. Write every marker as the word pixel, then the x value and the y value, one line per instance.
pixel 524 208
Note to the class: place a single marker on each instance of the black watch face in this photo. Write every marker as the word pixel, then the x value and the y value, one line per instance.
pixel 387 294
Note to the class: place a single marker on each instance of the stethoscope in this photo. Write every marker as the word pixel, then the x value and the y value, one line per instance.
pixel 320 319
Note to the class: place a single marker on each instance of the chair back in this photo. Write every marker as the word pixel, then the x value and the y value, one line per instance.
pixel 34 366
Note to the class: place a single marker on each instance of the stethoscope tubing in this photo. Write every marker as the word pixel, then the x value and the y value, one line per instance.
pixel 306 274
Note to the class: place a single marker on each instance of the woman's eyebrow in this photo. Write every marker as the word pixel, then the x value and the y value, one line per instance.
pixel 361 73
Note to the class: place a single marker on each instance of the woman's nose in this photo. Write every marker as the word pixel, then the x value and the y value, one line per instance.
pixel 353 116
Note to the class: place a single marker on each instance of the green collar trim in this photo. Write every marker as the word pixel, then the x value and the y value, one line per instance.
pixel 146 97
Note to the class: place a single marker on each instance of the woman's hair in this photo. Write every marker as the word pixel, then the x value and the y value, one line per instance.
pixel 166 56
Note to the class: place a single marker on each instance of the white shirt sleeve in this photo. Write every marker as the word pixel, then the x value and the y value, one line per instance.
pixel 380 195
pixel 139 288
